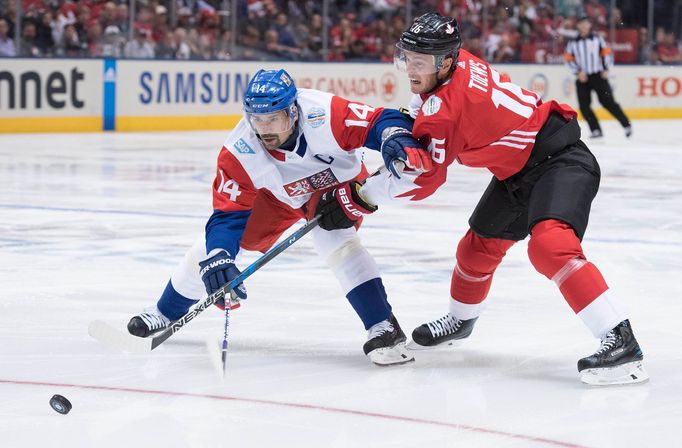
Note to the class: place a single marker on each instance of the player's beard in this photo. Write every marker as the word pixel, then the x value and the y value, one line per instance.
pixel 271 141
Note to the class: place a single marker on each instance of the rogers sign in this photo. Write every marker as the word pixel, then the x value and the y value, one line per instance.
pixel 353 87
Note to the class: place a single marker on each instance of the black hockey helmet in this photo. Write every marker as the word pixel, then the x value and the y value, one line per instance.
pixel 432 34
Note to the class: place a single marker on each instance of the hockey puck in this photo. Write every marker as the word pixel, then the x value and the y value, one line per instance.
pixel 60 404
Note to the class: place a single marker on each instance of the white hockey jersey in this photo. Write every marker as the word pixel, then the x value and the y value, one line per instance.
pixel 331 134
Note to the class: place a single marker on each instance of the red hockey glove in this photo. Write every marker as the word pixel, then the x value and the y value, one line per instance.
pixel 401 146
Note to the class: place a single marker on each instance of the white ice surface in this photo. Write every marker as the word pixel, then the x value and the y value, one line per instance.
pixel 91 226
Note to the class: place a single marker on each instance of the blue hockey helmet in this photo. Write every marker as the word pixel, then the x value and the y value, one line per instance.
pixel 268 93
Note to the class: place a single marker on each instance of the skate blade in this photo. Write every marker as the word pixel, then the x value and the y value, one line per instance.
pixel 443 346
pixel 387 356
pixel 628 373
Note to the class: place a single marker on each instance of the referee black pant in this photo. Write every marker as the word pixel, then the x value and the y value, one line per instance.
pixel 605 94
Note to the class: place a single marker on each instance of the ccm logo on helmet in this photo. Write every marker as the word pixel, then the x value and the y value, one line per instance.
pixel 347 204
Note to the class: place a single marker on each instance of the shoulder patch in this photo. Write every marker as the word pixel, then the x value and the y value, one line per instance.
pixel 242 147
pixel 316 117
pixel 431 106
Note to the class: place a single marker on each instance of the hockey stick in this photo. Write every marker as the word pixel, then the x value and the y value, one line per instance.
pixel 223 352
pixel 117 339
pixel 398 165
pixel 120 340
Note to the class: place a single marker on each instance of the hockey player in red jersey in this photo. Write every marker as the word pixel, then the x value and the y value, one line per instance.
pixel 544 180
pixel 292 146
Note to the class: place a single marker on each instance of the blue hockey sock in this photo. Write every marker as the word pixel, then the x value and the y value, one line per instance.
pixel 370 302
pixel 172 304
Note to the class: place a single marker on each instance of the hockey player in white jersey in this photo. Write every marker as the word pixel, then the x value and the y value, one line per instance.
pixel 291 146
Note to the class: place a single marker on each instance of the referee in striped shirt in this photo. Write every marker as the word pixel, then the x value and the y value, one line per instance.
pixel 590 59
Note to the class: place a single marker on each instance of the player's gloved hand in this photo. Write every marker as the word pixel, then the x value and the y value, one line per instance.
pixel 218 270
pixel 342 206
pixel 399 145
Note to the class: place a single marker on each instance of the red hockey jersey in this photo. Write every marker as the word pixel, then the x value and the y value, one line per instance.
pixel 480 119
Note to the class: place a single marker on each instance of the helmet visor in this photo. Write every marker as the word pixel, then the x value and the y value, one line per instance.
pixel 414 63
pixel 272 123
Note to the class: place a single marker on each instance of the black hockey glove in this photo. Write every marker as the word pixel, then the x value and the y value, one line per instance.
pixel 219 270
pixel 342 206
pixel 400 146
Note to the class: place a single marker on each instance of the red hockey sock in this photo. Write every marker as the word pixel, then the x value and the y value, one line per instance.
pixel 555 252
pixel 477 259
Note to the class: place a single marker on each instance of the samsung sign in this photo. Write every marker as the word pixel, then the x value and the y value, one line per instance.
pixel 191 87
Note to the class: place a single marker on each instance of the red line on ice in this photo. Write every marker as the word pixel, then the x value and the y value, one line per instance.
pixel 330 409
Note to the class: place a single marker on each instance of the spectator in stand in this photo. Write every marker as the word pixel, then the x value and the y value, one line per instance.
pixel 469 26
pixel 285 34
pixel 185 18
pixel 224 47
pixel 646 54
pixel 82 22
pixel 160 27
pixel 95 41
pixel 596 12
pixel 145 20
pixel 341 37
pixel 388 52
pixel 44 40
pixel 112 42
pixel 667 52
pixel 27 45
pixel 372 39
pixel 504 51
pixel 9 15
pixel 209 28
pixel 473 46
pixel 121 18
pixel 205 47
pixel 182 50
pixel 314 37
pixel 165 48
pixel 250 44
pixel 6 42
pixel 139 47
pixel 193 43
pixel 70 45
pixel 107 15
pixel 277 50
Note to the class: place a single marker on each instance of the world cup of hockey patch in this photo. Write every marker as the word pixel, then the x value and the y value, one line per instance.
pixel 316 117
pixel 243 147
pixel 298 188
pixel 323 179
pixel 431 106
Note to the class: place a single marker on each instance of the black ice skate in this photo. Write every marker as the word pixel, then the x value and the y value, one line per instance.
pixel 149 322
pixel 618 360
pixel 441 332
pixel 386 343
